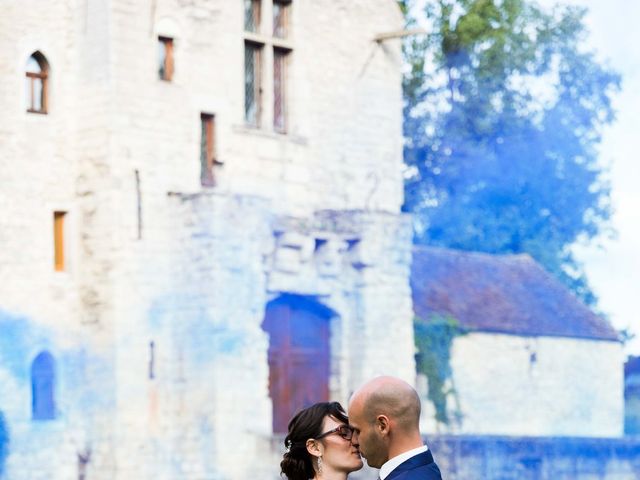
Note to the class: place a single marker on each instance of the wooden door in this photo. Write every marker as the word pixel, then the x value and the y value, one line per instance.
pixel 298 330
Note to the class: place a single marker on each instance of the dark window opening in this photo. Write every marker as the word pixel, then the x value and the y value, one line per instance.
pixel 165 58
pixel 319 243
pixel 37 77
pixel 207 149
pixel 152 360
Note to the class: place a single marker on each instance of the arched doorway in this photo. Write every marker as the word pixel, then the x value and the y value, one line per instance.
pixel 298 330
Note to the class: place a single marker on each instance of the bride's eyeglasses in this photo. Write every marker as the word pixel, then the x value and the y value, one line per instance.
pixel 345 431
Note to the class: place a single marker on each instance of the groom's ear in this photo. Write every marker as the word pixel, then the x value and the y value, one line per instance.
pixel 382 424
pixel 313 447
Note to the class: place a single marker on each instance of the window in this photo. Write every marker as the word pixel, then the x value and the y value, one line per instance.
pixel 58 241
pixel 207 149
pixel 279 89
pixel 165 58
pixel 252 87
pixel 42 387
pixel 37 76
pixel 281 18
pixel 252 15
pixel 266 48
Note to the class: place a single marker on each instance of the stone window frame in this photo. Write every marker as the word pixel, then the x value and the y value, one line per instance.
pixel 264 41
pixel 35 78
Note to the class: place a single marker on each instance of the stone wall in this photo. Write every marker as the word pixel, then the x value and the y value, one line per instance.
pixel 485 457
pixel 42 309
pixel 343 146
pixel 217 368
pixel 540 386
pixel 530 458
pixel 155 321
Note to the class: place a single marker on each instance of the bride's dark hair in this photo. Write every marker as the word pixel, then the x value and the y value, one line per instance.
pixel 296 463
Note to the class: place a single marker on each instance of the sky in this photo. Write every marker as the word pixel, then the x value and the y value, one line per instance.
pixel 614 268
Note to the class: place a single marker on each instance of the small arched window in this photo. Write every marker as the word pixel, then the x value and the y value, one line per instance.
pixel 37 77
pixel 43 377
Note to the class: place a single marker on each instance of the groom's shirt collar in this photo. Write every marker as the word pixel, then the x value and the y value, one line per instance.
pixel 390 465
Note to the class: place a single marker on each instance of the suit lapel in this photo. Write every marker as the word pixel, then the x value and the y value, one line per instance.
pixel 419 460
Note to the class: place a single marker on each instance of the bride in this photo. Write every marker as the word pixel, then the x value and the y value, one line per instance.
pixel 319 445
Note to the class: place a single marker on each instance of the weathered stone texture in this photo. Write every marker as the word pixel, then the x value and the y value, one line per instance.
pixel 155 324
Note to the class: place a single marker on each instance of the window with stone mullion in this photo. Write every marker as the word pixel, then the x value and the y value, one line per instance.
pixel 279 89
pixel 281 18
pixel 252 15
pixel 252 87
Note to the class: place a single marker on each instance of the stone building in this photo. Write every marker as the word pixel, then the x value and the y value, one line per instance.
pixel 201 229
pixel 534 360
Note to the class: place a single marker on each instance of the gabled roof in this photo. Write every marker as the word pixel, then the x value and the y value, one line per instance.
pixel 500 293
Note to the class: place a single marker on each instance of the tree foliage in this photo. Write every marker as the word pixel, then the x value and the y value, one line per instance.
pixel 504 110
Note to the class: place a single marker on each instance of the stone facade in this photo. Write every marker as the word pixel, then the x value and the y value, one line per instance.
pixel 155 323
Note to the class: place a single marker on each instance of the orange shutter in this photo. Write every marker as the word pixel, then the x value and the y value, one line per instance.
pixel 58 240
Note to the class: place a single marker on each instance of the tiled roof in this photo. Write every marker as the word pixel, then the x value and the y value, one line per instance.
pixel 500 293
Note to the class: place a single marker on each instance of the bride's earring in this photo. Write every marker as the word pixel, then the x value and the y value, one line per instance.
pixel 319 465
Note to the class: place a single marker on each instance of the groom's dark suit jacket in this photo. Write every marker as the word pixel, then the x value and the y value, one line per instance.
pixel 420 467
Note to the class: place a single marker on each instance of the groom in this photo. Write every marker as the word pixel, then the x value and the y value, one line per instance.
pixel 385 415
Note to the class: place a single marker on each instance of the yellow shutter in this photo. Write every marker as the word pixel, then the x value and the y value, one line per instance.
pixel 58 240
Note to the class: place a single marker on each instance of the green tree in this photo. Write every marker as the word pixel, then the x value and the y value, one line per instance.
pixel 504 110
